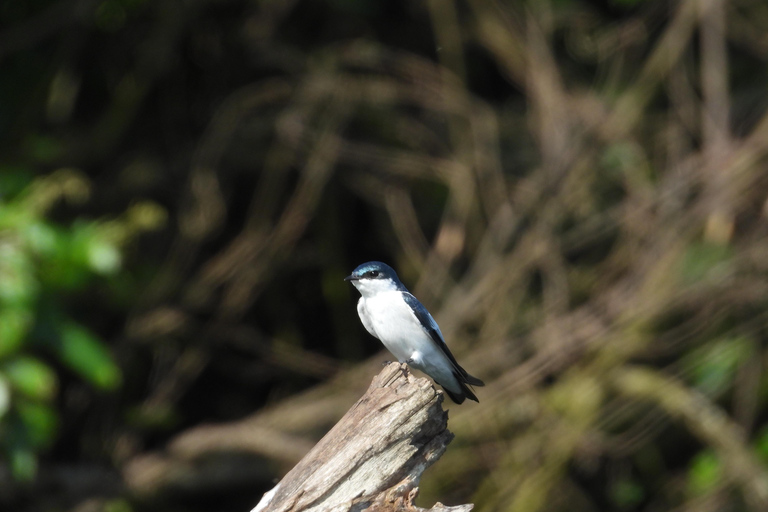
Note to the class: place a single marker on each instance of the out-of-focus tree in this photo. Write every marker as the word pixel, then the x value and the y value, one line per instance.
pixel 42 264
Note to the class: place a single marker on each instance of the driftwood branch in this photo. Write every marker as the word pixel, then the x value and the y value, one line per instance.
pixel 373 458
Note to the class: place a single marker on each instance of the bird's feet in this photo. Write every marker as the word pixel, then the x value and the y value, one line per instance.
pixel 385 363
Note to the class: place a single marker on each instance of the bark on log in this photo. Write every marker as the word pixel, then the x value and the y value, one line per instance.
pixel 373 458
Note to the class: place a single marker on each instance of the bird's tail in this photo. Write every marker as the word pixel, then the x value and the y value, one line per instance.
pixel 464 380
pixel 459 398
pixel 473 381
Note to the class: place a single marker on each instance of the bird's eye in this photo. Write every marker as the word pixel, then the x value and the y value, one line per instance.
pixel 373 273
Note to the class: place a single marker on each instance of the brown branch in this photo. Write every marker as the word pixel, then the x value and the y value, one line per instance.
pixel 374 457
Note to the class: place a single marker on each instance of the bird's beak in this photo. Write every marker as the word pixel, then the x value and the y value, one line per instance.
pixel 351 278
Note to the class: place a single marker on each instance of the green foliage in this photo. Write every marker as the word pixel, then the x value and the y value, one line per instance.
pixel 761 445
pixel 15 323
pixel 40 262
pixel 31 377
pixel 705 473
pixel 704 259
pixel 713 366
pixel 86 355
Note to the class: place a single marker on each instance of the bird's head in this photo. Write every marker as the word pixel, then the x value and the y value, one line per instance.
pixel 374 277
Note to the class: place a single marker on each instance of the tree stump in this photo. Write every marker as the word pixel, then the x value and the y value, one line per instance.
pixel 373 458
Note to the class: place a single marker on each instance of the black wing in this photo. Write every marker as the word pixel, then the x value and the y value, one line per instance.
pixel 433 330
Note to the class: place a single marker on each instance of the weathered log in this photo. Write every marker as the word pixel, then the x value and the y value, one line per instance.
pixel 373 458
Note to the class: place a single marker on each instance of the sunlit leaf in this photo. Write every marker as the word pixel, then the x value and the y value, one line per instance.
pixel 15 323
pixel 761 445
pixel 5 395
pixel 86 355
pixel 41 238
pixel 704 473
pixel 93 250
pixel 104 257
pixel 146 216
pixel 17 275
pixel 31 377
pixel 67 266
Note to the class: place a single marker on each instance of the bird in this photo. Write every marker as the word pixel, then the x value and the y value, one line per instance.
pixel 390 313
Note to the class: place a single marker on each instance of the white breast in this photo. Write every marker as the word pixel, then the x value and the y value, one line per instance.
pixel 387 317
pixel 390 319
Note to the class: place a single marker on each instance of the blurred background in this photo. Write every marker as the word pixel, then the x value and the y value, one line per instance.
pixel 575 188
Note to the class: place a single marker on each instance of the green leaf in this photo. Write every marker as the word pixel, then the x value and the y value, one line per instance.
pixel 702 259
pixel 41 238
pixel 67 264
pixel 31 377
pixel 23 464
pixel 40 423
pixel 92 248
pixel 761 445
pixel 13 180
pixel 85 354
pixel 146 216
pixel 5 395
pixel 103 257
pixel 704 473
pixel 713 367
pixel 15 323
pixel 17 274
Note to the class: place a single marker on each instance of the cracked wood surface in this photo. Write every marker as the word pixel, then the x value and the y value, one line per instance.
pixel 373 458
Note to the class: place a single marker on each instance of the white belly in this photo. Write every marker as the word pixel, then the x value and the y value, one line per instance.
pixel 391 320
pixel 387 317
